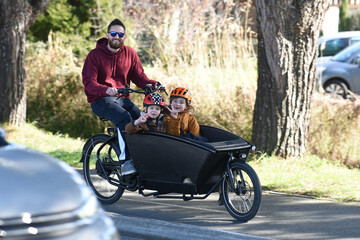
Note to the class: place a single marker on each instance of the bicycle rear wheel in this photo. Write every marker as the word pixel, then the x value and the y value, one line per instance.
pixel 102 175
pixel 243 199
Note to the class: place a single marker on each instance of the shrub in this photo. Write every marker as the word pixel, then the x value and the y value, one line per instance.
pixel 334 130
pixel 55 95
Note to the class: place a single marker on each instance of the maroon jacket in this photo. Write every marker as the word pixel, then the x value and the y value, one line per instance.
pixel 103 69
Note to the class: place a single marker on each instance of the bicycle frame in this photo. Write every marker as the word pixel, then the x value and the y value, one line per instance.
pixel 231 176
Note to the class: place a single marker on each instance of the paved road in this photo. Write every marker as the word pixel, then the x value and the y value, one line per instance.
pixel 280 217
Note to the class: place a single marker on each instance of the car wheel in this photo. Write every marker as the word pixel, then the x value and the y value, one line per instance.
pixel 336 89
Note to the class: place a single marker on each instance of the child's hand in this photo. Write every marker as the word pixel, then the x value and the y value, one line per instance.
pixel 173 113
pixel 141 119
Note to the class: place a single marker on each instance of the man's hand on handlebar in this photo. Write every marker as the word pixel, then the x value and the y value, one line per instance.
pixel 158 87
pixel 111 91
pixel 148 89
pixel 161 87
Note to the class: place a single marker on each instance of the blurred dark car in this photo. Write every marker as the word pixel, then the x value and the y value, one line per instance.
pixel 341 73
pixel 44 198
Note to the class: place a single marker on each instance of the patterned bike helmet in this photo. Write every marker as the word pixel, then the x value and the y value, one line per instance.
pixel 154 99
pixel 181 92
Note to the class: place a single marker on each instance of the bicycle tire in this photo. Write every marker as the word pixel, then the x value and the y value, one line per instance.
pixel 97 173
pixel 243 202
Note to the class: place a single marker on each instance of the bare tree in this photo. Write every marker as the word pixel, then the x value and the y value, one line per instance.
pixel 288 32
pixel 16 16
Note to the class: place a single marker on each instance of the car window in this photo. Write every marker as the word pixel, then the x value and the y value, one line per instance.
pixel 333 46
pixel 356 60
pixel 343 56
pixel 354 40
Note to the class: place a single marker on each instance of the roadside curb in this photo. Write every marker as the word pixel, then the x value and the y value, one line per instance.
pixel 156 229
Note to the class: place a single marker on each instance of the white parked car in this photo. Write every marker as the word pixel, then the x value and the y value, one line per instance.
pixel 44 198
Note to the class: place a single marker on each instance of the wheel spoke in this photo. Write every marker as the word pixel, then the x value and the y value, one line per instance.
pixel 247 205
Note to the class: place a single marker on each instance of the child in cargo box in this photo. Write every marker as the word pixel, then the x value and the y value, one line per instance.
pixel 152 118
pixel 179 120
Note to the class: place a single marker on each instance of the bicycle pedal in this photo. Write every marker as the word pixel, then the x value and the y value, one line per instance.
pixel 130 179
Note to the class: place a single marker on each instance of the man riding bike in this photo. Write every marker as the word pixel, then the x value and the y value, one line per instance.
pixel 107 68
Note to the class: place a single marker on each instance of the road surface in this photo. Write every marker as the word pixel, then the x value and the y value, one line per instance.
pixel 280 217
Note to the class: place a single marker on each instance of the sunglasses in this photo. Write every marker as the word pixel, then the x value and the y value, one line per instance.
pixel 120 34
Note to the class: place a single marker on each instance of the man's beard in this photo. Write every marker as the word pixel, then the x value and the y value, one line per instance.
pixel 116 45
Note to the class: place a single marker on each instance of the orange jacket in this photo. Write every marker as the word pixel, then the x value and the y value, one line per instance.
pixel 186 121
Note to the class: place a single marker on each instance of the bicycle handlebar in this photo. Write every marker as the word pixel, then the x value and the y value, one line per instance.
pixel 147 89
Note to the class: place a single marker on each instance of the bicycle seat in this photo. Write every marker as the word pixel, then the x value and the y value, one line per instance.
pixel 103 119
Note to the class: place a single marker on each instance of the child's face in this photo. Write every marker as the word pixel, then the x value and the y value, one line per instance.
pixel 178 104
pixel 154 111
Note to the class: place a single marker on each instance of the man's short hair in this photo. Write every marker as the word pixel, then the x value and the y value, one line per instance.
pixel 116 22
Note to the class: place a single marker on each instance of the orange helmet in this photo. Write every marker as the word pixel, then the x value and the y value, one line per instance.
pixel 181 92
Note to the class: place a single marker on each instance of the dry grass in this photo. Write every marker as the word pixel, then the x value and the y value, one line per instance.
pixel 212 55
pixel 335 130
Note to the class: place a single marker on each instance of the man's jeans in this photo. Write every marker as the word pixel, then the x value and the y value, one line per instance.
pixel 120 111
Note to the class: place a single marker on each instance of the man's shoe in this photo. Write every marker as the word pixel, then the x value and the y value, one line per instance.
pixel 128 168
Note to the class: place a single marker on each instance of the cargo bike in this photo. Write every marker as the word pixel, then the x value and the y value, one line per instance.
pixel 163 161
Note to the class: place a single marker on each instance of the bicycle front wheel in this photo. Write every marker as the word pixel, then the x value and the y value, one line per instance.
pixel 102 174
pixel 241 191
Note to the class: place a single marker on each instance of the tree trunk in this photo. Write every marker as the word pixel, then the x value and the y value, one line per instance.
pixel 16 16
pixel 288 33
